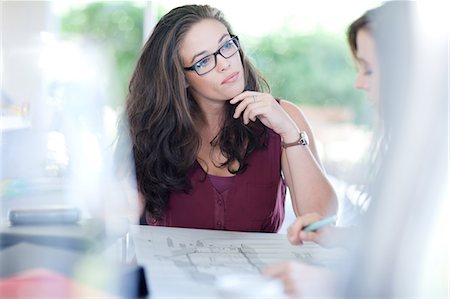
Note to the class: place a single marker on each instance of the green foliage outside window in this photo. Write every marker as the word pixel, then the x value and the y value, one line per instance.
pixel 314 69
pixel 118 28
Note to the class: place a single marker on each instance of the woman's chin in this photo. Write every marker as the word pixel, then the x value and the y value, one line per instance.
pixel 235 92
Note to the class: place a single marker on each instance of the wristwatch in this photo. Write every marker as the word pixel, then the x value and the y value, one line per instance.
pixel 302 140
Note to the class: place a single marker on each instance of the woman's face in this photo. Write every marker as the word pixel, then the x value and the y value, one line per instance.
pixel 367 78
pixel 226 79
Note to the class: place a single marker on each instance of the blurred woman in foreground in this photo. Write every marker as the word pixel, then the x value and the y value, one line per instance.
pixel 402 67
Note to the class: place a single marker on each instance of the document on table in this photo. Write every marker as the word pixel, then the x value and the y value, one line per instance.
pixel 182 262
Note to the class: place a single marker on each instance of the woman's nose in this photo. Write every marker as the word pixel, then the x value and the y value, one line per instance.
pixel 223 63
pixel 361 82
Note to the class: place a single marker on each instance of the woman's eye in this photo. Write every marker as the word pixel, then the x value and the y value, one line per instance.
pixel 204 62
pixel 366 71
pixel 227 45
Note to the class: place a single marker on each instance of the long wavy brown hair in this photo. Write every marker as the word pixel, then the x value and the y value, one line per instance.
pixel 161 112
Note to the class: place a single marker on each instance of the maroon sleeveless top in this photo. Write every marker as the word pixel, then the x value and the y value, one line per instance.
pixel 250 201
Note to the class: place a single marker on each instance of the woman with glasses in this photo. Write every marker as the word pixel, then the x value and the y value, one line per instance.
pixel 212 148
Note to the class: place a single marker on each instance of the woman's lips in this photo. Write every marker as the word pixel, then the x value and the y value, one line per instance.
pixel 231 78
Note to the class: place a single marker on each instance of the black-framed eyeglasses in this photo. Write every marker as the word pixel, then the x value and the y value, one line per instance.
pixel 208 63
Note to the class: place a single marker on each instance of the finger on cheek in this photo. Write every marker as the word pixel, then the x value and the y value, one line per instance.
pixel 234 100
pixel 237 98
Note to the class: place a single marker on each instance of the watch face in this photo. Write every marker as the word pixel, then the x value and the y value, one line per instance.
pixel 302 140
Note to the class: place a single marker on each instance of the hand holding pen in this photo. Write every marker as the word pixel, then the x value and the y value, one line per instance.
pixel 311 227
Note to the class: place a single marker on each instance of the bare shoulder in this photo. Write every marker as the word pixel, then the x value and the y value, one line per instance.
pixel 295 113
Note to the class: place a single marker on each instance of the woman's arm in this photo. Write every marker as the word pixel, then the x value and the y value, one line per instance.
pixel 308 185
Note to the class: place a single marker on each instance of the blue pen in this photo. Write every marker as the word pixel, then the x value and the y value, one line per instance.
pixel 320 224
